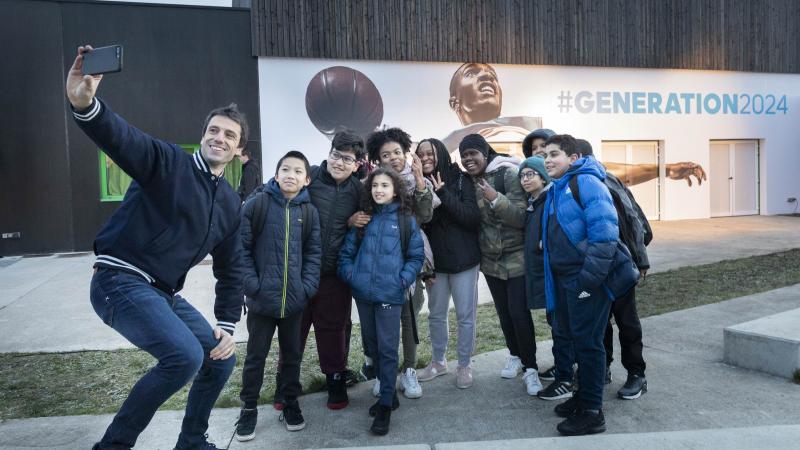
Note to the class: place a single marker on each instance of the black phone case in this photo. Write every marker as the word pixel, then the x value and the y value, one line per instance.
pixel 103 60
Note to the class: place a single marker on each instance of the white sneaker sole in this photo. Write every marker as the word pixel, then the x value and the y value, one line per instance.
pixel 245 438
pixel 410 395
pixel 632 397
pixel 509 376
pixel 295 427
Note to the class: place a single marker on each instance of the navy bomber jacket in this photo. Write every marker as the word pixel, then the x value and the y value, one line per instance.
pixel 174 214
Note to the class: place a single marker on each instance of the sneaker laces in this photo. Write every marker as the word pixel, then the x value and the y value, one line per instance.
pixel 411 376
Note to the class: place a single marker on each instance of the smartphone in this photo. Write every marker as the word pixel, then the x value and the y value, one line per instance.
pixel 103 60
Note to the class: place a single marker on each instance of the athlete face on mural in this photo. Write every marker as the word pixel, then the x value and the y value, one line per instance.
pixel 475 94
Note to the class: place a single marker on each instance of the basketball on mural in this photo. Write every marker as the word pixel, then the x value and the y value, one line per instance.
pixel 341 98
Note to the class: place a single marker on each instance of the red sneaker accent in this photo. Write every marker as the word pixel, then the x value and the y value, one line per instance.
pixel 278 406
pixel 336 406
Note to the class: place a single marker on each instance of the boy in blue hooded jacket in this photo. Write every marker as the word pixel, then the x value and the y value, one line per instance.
pixel 579 244
pixel 282 271
pixel 380 272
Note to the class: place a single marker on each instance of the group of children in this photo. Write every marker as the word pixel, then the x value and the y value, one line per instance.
pixel 546 232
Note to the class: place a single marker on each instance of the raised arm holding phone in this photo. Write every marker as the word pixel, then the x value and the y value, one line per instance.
pixel 177 210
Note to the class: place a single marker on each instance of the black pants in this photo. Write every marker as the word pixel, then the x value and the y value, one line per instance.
pixel 261 329
pixel 630 334
pixel 515 317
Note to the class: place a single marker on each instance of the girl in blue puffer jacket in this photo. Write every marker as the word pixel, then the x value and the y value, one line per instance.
pixel 380 272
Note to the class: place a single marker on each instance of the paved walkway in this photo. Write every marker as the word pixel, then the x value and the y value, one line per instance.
pixel 56 287
pixel 703 401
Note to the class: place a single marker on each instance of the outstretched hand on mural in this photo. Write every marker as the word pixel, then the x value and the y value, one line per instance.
pixel 81 88
pixel 633 174
pixel 685 171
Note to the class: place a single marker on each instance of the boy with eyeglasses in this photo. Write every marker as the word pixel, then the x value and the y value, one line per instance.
pixel 336 192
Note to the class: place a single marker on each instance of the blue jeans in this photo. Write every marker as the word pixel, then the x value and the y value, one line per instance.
pixel 179 337
pixel 380 328
pixel 579 324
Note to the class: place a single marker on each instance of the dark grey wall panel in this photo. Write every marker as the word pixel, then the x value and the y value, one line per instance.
pixel 35 199
pixel 746 35
pixel 179 63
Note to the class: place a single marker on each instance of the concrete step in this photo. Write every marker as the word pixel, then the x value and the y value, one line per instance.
pixel 770 344
pixel 777 436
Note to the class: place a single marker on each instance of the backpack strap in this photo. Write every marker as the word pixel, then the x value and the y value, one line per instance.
pixel 405 231
pixel 260 210
pixel 500 180
pixel 576 191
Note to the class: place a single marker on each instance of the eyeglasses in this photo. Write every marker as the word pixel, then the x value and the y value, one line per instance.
pixel 343 158
pixel 527 175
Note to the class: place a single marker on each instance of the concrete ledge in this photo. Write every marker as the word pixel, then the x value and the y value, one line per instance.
pixel 770 344
pixel 780 436
pixel 391 447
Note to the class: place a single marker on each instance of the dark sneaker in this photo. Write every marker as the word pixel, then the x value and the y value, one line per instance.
pixel 557 390
pixel 635 386
pixel 380 425
pixel 373 410
pixel 292 417
pixel 367 372
pixel 337 391
pixel 351 378
pixel 246 425
pixel 548 375
pixel 583 422
pixel 208 445
pixel 568 407
pixel 608 375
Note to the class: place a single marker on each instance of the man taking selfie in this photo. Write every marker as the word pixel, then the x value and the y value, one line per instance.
pixel 177 210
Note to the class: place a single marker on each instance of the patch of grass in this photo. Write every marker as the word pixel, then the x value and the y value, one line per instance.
pixel 55 384
pixel 797 376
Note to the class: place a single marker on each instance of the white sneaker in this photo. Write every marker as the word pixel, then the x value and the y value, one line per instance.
pixel 531 380
pixel 376 388
pixel 513 367
pixel 409 384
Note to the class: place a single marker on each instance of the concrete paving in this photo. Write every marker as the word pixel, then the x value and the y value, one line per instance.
pixel 57 287
pixel 691 391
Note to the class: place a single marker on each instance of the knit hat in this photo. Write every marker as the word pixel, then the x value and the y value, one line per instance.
pixel 537 164
pixel 541 133
pixel 475 142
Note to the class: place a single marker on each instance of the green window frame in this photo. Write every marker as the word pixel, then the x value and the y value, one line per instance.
pixel 114 182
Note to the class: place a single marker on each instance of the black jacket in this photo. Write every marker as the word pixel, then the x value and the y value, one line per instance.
pixel 453 230
pixel 534 255
pixel 251 179
pixel 335 204
pixel 174 214
pixel 281 267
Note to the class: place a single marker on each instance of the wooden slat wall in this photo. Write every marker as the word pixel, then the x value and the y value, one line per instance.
pixel 746 35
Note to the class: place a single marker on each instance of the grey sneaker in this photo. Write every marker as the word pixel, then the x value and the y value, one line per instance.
pixel 431 371
pixel 634 387
pixel 463 377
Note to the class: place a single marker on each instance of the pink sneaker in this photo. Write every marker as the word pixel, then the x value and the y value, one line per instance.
pixel 463 377
pixel 431 371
